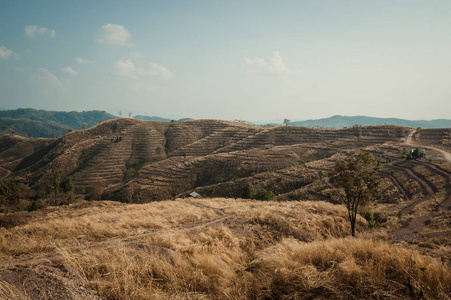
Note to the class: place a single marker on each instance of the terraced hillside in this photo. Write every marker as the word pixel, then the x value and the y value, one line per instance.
pixel 140 161
pixel 157 160
pixel 435 137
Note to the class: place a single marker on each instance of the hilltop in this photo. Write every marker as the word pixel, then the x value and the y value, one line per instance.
pixel 155 118
pixel 347 121
pixel 41 123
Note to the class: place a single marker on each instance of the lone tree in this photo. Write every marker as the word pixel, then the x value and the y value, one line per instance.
pixel 357 131
pixel 286 122
pixel 356 182
pixel 84 125
pixel 98 187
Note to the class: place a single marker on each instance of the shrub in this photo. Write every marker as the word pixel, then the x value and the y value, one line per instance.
pixel 369 216
pixel 249 191
pixel 265 194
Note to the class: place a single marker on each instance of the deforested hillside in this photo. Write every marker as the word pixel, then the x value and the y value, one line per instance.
pixel 434 137
pixel 157 160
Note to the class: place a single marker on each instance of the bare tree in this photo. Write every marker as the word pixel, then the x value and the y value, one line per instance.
pixel 286 122
pixel 84 125
pixel 357 131
pixel 98 187
pixel 129 114
pixel 356 183
pixel 120 113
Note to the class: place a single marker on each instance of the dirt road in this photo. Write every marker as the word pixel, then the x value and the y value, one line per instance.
pixel 409 142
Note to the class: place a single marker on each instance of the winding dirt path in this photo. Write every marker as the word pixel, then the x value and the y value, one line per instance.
pixel 428 189
pixel 411 228
pixel 397 184
pixel 6 171
pixel 409 142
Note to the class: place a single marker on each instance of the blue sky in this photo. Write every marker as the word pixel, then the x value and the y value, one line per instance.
pixel 251 60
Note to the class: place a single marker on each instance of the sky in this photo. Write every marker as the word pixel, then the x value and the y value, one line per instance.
pixel 245 60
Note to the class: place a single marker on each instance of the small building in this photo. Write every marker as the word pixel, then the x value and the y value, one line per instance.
pixel 195 195
pixel 416 153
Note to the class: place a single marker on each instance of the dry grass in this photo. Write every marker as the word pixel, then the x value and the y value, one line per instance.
pixel 11 292
pixel 221 249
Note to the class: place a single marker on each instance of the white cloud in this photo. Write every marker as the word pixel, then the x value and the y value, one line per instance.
pixel 48 77
pixel 113 34
pixel 33 30
pixel 259 62
pixel 5 53
pixel 159 70
pixel 83 61
pixel 275 65
pixel 127 68
pixel 69 70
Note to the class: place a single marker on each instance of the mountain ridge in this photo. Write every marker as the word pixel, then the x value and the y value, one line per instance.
pixel 339 121
pixel 43 123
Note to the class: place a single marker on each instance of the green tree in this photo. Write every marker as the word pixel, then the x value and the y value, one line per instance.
pixel 286 122
pixel 357 131
pixel 66 185
pixel 356 183
pixel 249 191
pixel 55 182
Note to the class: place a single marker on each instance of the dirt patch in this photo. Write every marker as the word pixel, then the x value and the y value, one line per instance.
pixel 44 283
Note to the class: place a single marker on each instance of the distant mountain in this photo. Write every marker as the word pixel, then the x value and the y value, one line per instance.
pixel 154 118
pixel 42 123
pixel 344 121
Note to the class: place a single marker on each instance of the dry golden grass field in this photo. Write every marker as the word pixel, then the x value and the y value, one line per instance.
pixel 290 241
pixel 210 249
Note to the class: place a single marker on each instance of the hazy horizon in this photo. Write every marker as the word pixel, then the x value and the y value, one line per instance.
pixel 257 61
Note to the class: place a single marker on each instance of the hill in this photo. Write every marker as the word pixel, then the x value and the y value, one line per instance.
pixel 158 160
pixel 41 123
pixel 154 118
pixel 345 121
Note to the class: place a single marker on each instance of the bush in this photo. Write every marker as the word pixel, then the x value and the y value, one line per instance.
pixel 369 216
pixel 249 191
pixel 36 205
pixel 267 195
